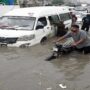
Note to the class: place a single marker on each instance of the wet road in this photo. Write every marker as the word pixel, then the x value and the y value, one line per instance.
pixel 26 69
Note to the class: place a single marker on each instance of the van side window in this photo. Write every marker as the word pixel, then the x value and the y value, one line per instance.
pixel 53 19
pixel 65 16
pixel 41 23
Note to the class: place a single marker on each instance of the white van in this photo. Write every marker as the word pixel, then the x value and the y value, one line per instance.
pixel 29 26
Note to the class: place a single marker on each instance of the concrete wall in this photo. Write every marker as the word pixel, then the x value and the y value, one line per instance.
pixel 5 8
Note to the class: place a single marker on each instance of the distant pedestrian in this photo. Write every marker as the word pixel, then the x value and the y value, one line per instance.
pixel 86 23
pixel 74 18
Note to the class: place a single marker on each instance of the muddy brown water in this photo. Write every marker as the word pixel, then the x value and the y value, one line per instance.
pixel 26 69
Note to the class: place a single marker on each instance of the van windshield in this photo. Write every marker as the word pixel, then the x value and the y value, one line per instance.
pixel 17 22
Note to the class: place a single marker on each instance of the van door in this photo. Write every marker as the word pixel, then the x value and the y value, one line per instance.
pixel 42 29
pixel 53 20
pixel 67 19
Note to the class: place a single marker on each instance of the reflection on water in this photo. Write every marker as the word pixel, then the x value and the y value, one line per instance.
pixel 72 65
pixel 13 53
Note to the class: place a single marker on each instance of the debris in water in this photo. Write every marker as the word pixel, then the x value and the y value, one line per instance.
pixel 62 86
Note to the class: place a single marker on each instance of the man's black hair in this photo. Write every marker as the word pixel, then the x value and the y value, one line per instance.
pixel 76 26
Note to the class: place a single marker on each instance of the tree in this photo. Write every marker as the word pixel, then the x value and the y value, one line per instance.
pixel 8 2
pixel 57 2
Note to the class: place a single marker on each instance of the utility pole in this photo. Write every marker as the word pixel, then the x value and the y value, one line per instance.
pixel 42 2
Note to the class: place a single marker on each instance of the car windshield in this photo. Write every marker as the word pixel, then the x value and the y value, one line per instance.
pixel 17 22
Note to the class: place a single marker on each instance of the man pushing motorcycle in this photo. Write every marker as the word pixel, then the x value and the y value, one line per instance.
pixel 81 40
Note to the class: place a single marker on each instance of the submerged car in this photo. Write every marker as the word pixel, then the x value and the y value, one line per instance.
pixel 30 26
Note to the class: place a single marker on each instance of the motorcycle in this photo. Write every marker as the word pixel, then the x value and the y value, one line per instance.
pixel 60 49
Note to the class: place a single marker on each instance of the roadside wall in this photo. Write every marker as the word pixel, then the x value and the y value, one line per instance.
pixel 5 8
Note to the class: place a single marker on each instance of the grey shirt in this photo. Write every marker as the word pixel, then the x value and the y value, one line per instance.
pixel 79 35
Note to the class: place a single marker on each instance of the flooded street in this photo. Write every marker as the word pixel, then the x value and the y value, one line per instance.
pixel 26 69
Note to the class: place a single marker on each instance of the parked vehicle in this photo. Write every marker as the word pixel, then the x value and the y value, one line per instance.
pixel 30 26
pixel 81 10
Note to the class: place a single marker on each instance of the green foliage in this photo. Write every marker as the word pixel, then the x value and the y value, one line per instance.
pixel 6 2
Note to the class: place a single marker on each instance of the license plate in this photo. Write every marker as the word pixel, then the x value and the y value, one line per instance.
pixel 55 49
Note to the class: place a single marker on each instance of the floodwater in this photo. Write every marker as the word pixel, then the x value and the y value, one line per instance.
pixel 26 69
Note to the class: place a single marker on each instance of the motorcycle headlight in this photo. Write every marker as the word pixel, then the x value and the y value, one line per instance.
pixel 26 37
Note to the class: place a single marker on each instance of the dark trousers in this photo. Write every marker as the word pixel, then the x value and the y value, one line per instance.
pixel 85 50
pixel 85 27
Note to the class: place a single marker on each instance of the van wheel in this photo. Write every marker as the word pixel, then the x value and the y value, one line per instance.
pixel 43 41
